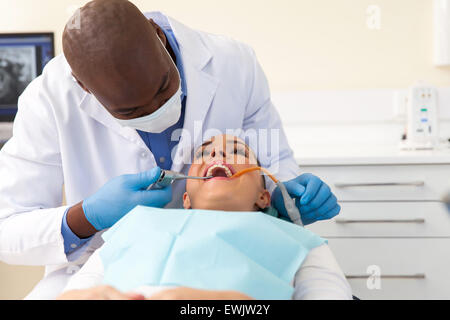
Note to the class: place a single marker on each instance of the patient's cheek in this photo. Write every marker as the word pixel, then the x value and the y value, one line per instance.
pixel 191 188
pixel 194 170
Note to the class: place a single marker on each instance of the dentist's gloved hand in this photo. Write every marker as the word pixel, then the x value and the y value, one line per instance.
pixel 121 194
pixel 313 198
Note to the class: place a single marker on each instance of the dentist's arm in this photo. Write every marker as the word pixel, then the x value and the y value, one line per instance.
pixel 112 201
pixel 31 182
pixel 31 185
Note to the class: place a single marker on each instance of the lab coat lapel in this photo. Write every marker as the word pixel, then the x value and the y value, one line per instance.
pixel 200 89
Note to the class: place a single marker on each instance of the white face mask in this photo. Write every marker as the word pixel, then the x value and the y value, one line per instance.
pixel 166 116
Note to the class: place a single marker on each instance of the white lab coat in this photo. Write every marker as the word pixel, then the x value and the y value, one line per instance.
pixel 62 136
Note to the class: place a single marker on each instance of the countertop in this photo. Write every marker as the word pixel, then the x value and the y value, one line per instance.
pixel 368 155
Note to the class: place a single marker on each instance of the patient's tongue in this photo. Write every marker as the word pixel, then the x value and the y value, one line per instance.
pixel 219 172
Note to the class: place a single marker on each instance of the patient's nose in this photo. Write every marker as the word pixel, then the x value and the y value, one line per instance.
pixel 217 153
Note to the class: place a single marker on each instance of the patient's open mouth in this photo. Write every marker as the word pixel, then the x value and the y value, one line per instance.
pixel 219 170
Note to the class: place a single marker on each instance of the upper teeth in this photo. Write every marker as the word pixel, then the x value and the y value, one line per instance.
pixel 210 170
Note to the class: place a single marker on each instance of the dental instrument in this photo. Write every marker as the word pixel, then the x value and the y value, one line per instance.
pixel 167 177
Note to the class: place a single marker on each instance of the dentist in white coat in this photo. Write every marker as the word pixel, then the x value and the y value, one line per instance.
pixel 103 119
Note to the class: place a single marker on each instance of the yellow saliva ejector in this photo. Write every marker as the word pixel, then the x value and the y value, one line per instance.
pixel 167 177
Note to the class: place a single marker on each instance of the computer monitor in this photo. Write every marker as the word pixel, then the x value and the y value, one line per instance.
pixel 22 58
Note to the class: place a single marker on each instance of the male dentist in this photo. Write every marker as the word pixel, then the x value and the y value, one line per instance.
pixel 103 119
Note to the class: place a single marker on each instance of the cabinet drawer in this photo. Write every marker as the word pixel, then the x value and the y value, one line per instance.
pixel 395 268
pixel 389 182
pixel 387 219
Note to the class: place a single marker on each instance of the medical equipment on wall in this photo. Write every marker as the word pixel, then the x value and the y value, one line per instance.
pixel 422 118
pixel 167 177
pixel 441 20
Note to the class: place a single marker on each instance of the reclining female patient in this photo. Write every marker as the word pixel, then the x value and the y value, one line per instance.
pixel 318 276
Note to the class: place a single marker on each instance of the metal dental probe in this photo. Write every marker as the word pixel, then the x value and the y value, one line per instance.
pixel 167 177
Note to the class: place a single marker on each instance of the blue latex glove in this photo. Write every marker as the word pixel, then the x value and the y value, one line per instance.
pixel 313 198
pixel 121 194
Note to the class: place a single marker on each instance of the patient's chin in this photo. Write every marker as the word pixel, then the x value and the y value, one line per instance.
pixel 230 203
pixel 221 206
pixel 226 195
pixel 217 201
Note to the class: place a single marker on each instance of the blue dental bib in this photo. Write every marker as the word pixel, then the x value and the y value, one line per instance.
pixel 250 252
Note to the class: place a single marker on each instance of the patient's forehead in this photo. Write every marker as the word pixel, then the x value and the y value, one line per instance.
pixel 226 140
pixel 229 141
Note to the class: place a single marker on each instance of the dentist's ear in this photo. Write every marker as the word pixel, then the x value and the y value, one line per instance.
pixel 263 200
pixel 186 201
pixel 80 84
pixel 159 31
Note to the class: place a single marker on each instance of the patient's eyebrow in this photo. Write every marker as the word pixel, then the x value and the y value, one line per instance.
pixel 248 151
pixel 236 141
pixel 204 144
pixel 233 141
pixel 200 148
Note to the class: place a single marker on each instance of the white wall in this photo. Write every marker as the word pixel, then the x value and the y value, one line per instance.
pixel 302 44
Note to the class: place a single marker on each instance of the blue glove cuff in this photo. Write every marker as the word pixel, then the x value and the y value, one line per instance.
pixel 91 217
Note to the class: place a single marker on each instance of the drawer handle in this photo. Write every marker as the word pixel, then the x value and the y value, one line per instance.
pixel 388 276
pixel 418 220
pixel 380 184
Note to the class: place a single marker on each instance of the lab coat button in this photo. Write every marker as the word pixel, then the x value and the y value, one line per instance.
pixel 73 245
pixel 144 154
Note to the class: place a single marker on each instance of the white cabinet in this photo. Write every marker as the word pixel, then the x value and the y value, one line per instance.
pixel 387 182
pixel 402 268
pixel 387 219
pixel 392 237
